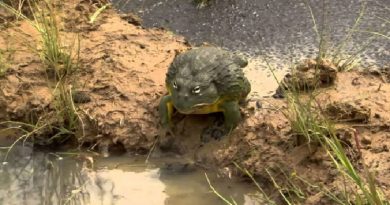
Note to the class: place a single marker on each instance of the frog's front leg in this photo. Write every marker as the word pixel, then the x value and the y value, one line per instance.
pixel 166 136
pixel 231 112
pixel 165 111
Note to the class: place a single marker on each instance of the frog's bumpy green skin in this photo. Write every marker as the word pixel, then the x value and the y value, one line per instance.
pixel 205 80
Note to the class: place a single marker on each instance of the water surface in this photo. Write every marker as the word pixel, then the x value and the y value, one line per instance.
pixel 33 178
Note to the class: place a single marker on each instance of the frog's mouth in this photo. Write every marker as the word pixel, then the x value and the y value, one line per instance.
pixel 194 109
pixel 201 108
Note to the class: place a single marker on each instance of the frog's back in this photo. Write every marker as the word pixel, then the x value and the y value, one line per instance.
pixel 211 64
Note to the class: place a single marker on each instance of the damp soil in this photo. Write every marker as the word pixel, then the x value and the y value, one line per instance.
pixel 123 68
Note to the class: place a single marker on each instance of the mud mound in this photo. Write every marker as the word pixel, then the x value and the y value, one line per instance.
pixel 348 112
pixel 118 85
pixel 308 76
pixel 124 76
pixel 384 73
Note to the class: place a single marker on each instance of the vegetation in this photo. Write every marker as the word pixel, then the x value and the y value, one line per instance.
pixel 202 3
pixel 339 52
pixel 60 63
pixel 18 5
pixel 307 120
pixel 94 16
pixel 63 61
pixel 3 64
pixel 225 200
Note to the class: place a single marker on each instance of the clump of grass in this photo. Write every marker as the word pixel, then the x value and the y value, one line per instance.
pixel 305 116
pixel 3 64
pixel 345 59
pixel 56 56
pixel 60 61
pixel 307 120
pixel 225 200
pixel 263 196
pixel 94 16
pixel 370 193
pixel 18 5
pixel 26 130
pixel 202 3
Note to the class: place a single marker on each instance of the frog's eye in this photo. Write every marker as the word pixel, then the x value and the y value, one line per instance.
pixel 174 84
pixel 196 90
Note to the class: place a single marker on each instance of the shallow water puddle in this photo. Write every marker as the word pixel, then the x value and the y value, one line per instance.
pixel 48 178
pixel 263 78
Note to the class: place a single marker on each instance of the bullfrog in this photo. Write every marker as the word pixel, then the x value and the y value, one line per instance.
pixel 205 80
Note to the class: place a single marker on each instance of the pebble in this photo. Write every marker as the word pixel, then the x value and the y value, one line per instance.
pixel 365 140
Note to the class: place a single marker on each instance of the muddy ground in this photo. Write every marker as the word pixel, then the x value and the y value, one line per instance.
pixel 122 70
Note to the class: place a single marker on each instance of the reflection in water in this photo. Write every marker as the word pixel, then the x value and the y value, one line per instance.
pixel 38 178
pixel 122 188
pixel 32 178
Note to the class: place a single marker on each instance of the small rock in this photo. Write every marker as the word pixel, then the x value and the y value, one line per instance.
pixel 251 136
pixel 22 65
pixel 80 7
pixel 365 140
pixel 279 93
pixel 348 112
pixel 131 19
pixel 380 149
pixel 177 168
pixel 309 75
pixel 259 105
pixel 355 81
pixel 81 97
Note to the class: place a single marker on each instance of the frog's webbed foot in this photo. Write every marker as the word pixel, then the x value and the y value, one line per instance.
pixel 215 131
pixel 166 138
pixel 212 132
pixel 232 117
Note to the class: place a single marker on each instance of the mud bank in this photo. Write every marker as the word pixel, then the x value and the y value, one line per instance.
pixel 123 70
